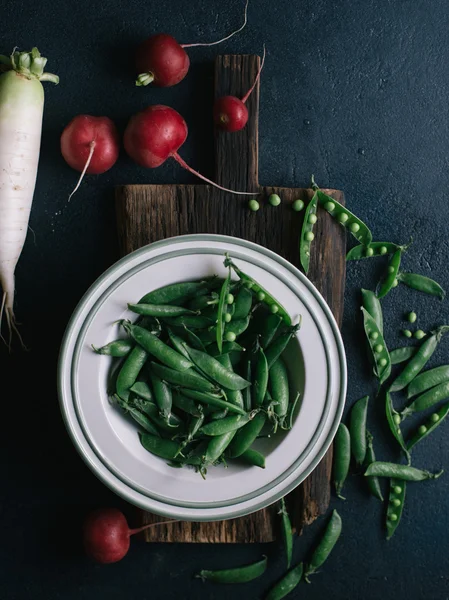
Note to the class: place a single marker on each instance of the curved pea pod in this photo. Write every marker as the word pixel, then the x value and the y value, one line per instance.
pixel 243 303
pixel 325 546
pixel 277 347
pixel 190 321
pixel 251 283
pixel 163 396
pixel 159 310
pixel 427 399
pixel 160 447
pixel 174 292
pixel 287 533
pixel 260 381
pixel 237 575
pixel 390 278
pixel 419 360
pixel 222 309
pixel 346 218
pixel 143 390
pixel 226 425
pixel 373 482
pixel 269 329
pixel 357 428
pixel 430 425
pixel 217 446
pixel 393 420
pixel 403 472
pixel 371 304
pixel 215 400
pixel 187 405
pixel 374 249
pixel 129 371
pixel 215 370
pixel 177 343
pixel 152 410
pixel 382 362
pixel 187 379
pixel 422 284
pixel 252 457
pixel 400 355
pixel 279 388
pixel 233 396
pixel 138 416
pixel 427 380
pixel 287 584
pixel 247 435
pixel 117 348
pixel 342 457
pixel 395 507
pixel 307 235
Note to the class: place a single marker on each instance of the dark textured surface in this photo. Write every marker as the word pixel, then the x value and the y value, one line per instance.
pixel 353 92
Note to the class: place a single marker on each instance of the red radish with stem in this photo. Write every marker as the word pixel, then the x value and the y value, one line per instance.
pixel 157 133
pixel 231 113
pixel 90 145
pixel 106 535
pixel 161 60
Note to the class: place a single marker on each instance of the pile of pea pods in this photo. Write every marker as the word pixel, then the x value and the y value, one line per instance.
pixel 202 373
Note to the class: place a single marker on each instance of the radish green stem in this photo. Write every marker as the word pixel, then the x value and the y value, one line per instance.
pixel 86 166
pixel 225 38
pixel 249 92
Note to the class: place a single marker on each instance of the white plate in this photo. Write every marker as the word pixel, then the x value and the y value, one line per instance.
pixel 108 442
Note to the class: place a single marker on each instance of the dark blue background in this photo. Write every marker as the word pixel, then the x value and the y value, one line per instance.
pixel 354 92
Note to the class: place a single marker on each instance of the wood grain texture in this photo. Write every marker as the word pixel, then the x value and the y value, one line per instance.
pixel 147 213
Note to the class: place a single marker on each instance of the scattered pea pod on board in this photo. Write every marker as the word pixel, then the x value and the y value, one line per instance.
pixel 346 218
pixel 307 235
pixel 325 545
pixel 287 584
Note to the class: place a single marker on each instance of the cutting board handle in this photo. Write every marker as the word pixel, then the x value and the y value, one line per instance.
pixel 237 153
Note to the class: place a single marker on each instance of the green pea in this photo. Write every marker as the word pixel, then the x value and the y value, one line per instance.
pixel 312 219
pixel 309 236
pixel 274 308
pixel 369 251
pixel 383 362
pixel 261 296
pixel 374 335
pixel 422 429
pixel 229 299
pixel 383 250
pixel 253 205
pixel 396 502
pixel 393 517
pixel 434 418
pixel 378 348
pixel 390 269
pixel 395 283
pixel 397 419
pixel 354 227
pixel 397 489
pixel 230 336
pixel 342 218
pixel 329 206
pixel 412 316
pixel 274 200
pixel 227 318
pixel 407 333
pixel 419 334
pixel 298 205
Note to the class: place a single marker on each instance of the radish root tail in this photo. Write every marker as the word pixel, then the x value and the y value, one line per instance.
pixel 7 311
pixel 250 91
pixel 86 166
pixel 140 529
pixel 225 38
pixel 184 165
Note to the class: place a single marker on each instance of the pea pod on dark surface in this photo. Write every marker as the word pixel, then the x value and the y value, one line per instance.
pixel 395 506
pixel 419 360
pixel 393 420
pixel 341 458
pixel 382 363
pixel 247 435
pixel 117 348
pixel 287 584
pixel 403 472
pixel 372 482
pixel 400 355
pixel 252 457
pixel 390 278
pixel 174 292
pixel 215 370
pixel 357 428
pixel 374 249
pixel 325 546
pixel 163 448
pixel 346 218
pixel 427 380
pixel 187 379
pixel 236 575
pixel 287 533
pixel 430 425
pixel 371 304
pixel 130 370
pixel 422 284
pixel 427 399
pixel 159 310
pixel 307 236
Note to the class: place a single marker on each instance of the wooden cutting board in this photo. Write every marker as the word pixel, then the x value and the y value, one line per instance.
pixel 147 213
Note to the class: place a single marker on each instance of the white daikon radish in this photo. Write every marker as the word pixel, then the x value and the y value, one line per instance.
pixel 21 108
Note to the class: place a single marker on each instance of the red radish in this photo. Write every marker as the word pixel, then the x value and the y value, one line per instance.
pixel 106 535
pixel 157 133
pixel 163 61
pixel 231 113
pixel 90 145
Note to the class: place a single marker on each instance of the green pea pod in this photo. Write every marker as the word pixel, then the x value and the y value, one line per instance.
pixel 357 428
pixel 279 387
pixel 139 417
pixel 159 310
pixel 152 410
pixel 252 457
pixel 382 368
pixel 307 235
pixel 237 327
pixel 287 533
pixel 270 326
pixel 393 420
pixel 243 303
pixel 277 347
pixel 346 218
pixel 153 345
pixel 391 276
pixel 117 348
pixel 269 300
pixel 427 380
pixel 202 302
pixel 430 425
pixel 219 427
pixel 213 400
pixel 187 379
pixel 260 379
pixel 129 371
pixel 174 292
pixel 177 343
pixel 371 304
pixel 427 399
pixel 217 446
pixel 215 370
pixel 287 584
pixel 233 396
pixel 226 349
pixel 247 435
pixel 190 321
pixel 395 507
pixel 325 546
pixel 373 482
pixel 419 360
pixel 403 472
pixel 422 284
pixel 374 249
pixel 400 355
pixel 221 310
pixel 160 447
pixel 342 457
pixel 237 575
pixel 185 404
pixel 247 402
pixel 142 389
pixel 163 396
